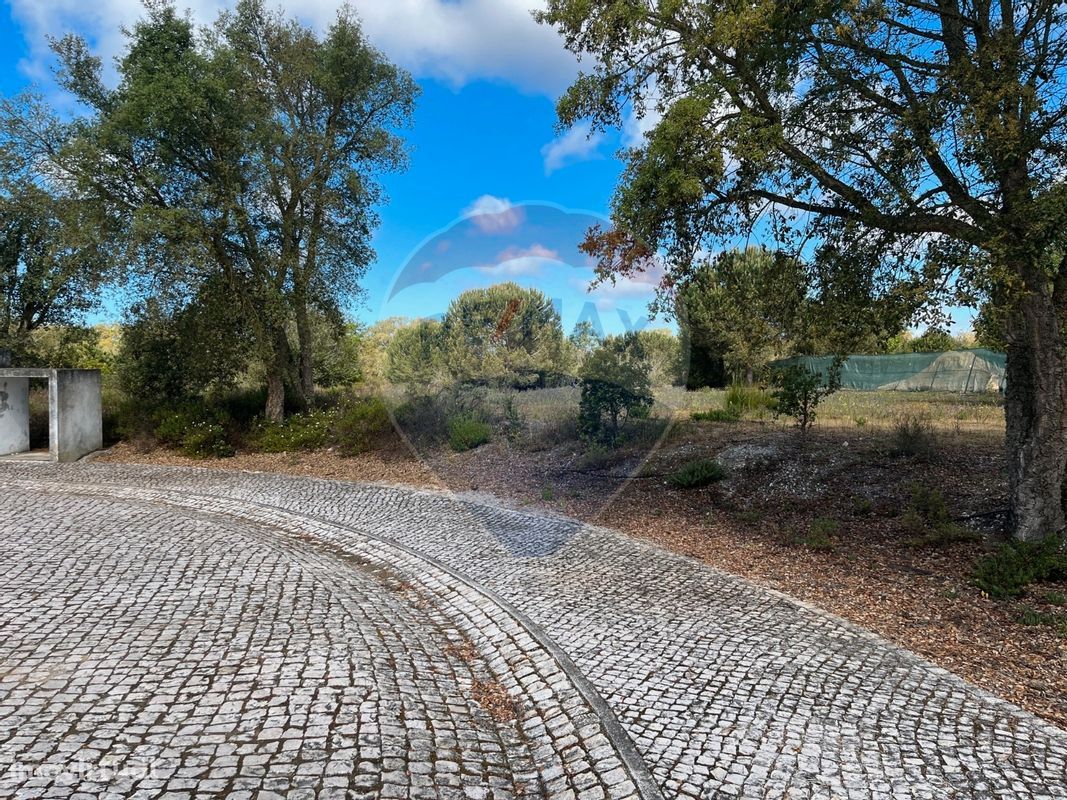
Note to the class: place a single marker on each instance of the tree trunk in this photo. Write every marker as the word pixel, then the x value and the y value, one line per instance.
pixel 1035 408
pixel 279 374
pixel 275 411
pixel 304 342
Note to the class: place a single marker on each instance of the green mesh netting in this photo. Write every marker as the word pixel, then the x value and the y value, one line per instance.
pixel 950 371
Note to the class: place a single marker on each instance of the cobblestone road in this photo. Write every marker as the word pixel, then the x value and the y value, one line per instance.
pixel 225 633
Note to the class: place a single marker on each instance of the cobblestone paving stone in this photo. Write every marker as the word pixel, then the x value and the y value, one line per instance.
pixel 727 690
pixel 155 646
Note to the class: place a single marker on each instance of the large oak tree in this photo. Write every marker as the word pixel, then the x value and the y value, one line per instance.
pixel 246 155
pixel 920 142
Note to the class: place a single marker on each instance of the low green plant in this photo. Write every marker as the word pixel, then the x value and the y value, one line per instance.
pixel 205 439
pixel 750 516
pixel 912 437
pixel 308 431
pixel 741 399
pixel 821 534
pixel 696 474
pixel 862 506
pixel 361 426
pixel 717 415
pixel 1033 618
pixel 860 422
pixel 1054 598
pixel 1015 565
pixel 928 521
pixel 548 494
pixel 466 431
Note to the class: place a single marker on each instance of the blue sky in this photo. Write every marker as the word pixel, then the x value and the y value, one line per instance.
pixel 485 155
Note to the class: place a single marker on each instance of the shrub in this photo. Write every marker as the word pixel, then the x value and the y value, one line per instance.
pixel 205 439
pixel 820 534
pixel 466 432
pixel 741 399
pixel 696 474
pixel 616 387
pixel 717 415
pixel 928 521
pixel 1015 565
pixel 798 391
pixel 913 436
pixel 308 431
pixel 361 426
pixel 862 506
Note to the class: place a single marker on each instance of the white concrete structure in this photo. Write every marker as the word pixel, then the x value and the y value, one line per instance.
pixel 75 426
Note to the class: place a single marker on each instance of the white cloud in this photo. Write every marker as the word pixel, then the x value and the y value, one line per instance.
pixel 494 214
pixel 516 261
pixel 577 144
pixel 454 40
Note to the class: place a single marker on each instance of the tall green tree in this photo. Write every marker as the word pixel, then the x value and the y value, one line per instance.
pixel 52 262
pixel 752 303
pixel 249 151
pixel 922 143
pixel 504 334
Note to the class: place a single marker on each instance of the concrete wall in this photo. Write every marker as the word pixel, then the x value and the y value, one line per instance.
pixel 14 415
pixel 75 424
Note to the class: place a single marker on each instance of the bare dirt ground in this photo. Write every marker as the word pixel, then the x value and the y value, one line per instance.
pixel 757 522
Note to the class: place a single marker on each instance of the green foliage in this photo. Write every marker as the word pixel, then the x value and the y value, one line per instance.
pixel 616 388
pixel 798 392
pixel 933 340
pixel 664 351
pixel 821 534
pixel 748 306
pixel 361 426
pixel 741 399
pixel 414 355
pixel 913 437
pixel 206 439
pixel 467 431
pixel 1016 565
pixel 504 335
pixel 308 431
pixel 696 474
pixel 167 355
pixel 928 522
pixel 53 254
pixel 248 154
pixel 717 415
pixel 915 157
pixel 198 430
pixel 1033 617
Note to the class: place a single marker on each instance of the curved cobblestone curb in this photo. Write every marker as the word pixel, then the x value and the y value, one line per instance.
pixel 578 745
pixel 725 688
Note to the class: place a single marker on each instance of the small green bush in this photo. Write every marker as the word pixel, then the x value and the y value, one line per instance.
pixel 309 431
pixel 717 415
pixel 820 534
pixel 928 521
pixel 798 392
pixel 862 506
pixel 466 432
pixel 696 474
pixel 1015 565
pixel 912 437
pixel 205 439
pixel 361 426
